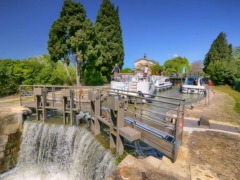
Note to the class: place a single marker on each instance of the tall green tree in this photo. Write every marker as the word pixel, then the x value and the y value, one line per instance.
pixel 109 39
pixel 176 65
pixel 61 43
pixel 219 62
pixel 220 50
pixel 82 44
pixel 156 69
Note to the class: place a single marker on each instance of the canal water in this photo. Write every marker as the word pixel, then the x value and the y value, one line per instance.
pixel 174 92
pixel 60 152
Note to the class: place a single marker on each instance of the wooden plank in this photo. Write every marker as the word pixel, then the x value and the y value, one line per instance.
pixel 130 133
pixel 166 152
pixel 157 141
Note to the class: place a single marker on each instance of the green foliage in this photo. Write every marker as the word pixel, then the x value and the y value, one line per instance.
pixel 66 33
pixel 219 62
pixel 36 70
pixel 93 77
pixel 109 43
pixel 98 48
pixel 236 53
pixel 156 69
pixel 236 84
pixel 176 65
pixel 222 71
pixel 126 70
pixel 220 50
pixel 8 83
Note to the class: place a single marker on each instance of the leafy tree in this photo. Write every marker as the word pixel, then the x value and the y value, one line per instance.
pixel 197 68
pixel 34 70
pixel 82 44
pixel 8 84
pixel 176 65
pixel 236 53
pixel 222 72
pixel 126 70
pixel 62 44
pixel 219 62
pixel 109 39
pixel 220 50
pixel 156 69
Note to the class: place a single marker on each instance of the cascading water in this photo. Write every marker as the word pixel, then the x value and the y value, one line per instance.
pixel 60 152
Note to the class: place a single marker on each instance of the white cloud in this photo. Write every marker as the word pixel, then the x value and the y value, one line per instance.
pixel 173 55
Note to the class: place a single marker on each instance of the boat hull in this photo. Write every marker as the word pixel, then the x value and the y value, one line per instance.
pixel 192 89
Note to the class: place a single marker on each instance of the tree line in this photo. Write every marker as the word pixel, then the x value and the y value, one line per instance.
pixel 36 70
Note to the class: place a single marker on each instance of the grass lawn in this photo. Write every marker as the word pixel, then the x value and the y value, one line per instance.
pixel 235 94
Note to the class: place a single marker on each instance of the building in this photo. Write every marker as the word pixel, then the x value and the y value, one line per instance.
pixel 141 62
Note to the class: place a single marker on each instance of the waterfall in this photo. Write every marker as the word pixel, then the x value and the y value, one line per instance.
pixel 60 152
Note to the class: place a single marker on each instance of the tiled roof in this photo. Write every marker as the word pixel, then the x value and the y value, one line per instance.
pixel 146 59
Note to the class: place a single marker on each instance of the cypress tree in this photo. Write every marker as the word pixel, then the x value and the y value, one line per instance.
pixel 219 51
pixel 219 62
pixel 109 39
pixel 61 43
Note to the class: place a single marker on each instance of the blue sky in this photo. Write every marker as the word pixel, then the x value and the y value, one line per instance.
pixel 161 29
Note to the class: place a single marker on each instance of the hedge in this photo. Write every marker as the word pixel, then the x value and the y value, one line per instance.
pixel 236 84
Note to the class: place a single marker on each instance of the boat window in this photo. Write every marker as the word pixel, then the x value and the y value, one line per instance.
pixel 190 81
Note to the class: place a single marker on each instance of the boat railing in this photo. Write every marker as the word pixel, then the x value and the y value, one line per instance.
pixel 130 78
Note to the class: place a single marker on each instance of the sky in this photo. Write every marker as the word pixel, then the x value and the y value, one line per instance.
pixel 159 29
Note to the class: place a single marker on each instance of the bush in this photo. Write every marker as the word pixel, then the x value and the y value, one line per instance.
pixel 236 84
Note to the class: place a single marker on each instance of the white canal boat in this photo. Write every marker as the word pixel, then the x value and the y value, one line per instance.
pixel 135 84
pixel 193 85
pixel 161 82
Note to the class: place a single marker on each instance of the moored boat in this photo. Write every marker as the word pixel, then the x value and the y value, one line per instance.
pixel 134 85
pixel 192 85
pixel 161 82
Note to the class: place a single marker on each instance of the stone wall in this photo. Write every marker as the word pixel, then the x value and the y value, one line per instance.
pixel 10 138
